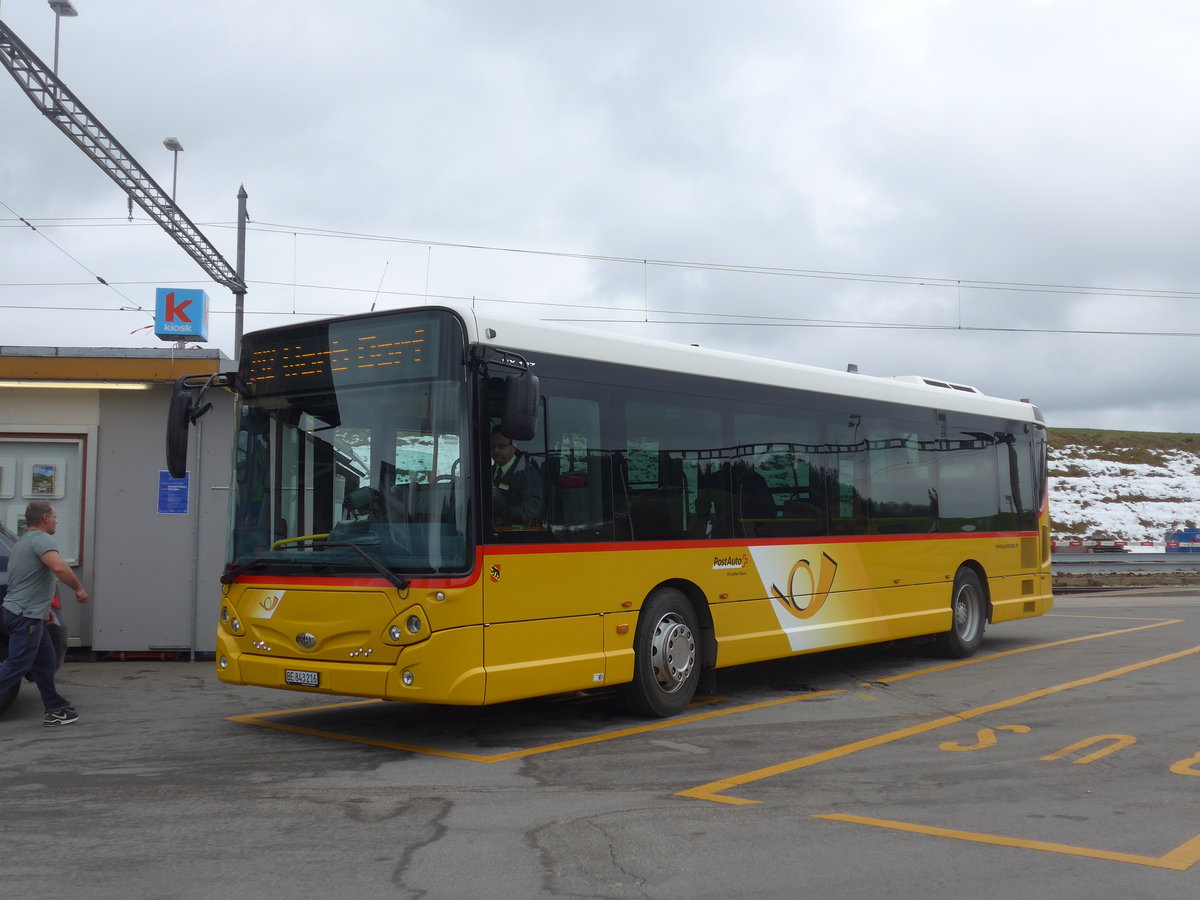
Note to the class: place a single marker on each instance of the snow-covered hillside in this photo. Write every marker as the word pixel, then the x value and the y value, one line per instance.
pixel 1135 493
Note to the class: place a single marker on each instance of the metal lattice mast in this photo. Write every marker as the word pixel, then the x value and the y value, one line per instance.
pixel 63 108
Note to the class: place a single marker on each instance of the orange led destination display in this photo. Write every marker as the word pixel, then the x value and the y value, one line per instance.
pixel 324 355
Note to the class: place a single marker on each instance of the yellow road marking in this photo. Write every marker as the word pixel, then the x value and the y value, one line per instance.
pixel 1180 859
pixel 302 709
pixel 1117 742
pixel 715 789
pixel 1157 623
pixel 262 720
pixel 984 738
pixel 1189 766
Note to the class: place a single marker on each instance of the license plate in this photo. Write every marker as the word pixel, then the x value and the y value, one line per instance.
pixel 302 678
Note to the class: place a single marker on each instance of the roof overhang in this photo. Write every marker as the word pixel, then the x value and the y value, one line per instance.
pixel 102 367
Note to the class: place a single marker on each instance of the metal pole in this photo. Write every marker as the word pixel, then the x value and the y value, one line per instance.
pixel 57 23
pixel 174 173
pixel 239 296
pixel 198 520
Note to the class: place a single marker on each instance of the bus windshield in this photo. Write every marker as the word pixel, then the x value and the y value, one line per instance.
pixel 350 448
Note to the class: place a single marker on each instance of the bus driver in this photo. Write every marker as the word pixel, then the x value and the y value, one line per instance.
pixel 517 491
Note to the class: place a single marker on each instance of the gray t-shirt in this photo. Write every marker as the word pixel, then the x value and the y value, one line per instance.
pixel 30 581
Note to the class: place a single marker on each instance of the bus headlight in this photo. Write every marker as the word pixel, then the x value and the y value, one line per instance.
pixel 410 627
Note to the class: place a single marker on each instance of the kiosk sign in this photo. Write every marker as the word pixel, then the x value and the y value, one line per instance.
pixel 180 314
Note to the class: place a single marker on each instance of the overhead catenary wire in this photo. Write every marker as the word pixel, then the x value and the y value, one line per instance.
pixel 699 265
pixel 133 307
pixel 648 315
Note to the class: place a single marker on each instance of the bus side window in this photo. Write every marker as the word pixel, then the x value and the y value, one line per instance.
pixel 577 471
pixel 902 499
pixel 713 508
pixel 967 482
pixel 754 504
pixel 849 503
pixel 669 443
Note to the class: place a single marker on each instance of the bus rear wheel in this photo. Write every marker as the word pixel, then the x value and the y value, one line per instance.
pixel 969 610
pixel 666 666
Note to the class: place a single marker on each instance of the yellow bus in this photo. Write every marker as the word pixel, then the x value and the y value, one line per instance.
pixel 441 505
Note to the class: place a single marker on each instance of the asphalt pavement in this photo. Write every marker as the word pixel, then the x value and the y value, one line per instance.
pixel 1062 761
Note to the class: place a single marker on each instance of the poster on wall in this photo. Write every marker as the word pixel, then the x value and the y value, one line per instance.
pixel 8 477
pixel 42 480
pixel 173 494
pixel 45 478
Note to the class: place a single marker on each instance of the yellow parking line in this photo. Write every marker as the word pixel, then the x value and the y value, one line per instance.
pixel 262 719
pixel 1157 623
pixel 715 790
pixel 338 736
pixel 301 709
pixel 1180 859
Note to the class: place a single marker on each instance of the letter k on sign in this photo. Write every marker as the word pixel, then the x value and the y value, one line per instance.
pixel 175 311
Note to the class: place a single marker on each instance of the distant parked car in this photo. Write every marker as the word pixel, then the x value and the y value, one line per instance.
pixel 1106 543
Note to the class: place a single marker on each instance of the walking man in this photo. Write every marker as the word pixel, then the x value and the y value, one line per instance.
pixel 32 569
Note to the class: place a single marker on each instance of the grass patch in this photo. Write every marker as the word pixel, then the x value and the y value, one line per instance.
pixel 1128 447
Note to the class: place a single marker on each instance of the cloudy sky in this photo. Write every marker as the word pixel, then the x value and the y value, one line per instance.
pixel 1003 194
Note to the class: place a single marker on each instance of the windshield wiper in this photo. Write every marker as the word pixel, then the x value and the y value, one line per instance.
pixel 398 581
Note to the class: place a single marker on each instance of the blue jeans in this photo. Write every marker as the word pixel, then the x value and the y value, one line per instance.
pixel 30 650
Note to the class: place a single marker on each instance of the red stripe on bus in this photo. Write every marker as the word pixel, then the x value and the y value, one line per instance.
pixel 627 546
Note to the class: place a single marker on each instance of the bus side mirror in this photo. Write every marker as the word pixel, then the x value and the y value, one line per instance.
pixel 179 419
pixel 184 410
pixel 521 396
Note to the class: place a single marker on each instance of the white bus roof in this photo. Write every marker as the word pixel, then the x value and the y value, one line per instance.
pixel 530 337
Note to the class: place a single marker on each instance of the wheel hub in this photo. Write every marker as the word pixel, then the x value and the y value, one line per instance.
pixel 672 652
pixel 966 613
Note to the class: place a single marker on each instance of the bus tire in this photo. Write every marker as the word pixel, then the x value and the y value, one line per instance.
pixel 666 656
pixel 9 695
pixel 968 607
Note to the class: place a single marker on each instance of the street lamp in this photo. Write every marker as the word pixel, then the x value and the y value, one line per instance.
pixel 174 146
pixel 61 8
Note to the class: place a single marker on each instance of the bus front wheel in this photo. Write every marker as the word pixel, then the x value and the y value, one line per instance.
pixel 666 667
pixel 969 617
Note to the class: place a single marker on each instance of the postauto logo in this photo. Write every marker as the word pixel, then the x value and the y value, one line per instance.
pixel 731 562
